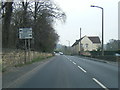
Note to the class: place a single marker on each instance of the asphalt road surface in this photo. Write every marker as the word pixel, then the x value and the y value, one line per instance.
pixel 70 72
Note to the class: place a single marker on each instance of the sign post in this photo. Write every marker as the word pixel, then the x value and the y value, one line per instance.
pixel 26 34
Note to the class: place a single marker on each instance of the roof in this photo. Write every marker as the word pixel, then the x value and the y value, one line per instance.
pixel 77 41
pixel 94 39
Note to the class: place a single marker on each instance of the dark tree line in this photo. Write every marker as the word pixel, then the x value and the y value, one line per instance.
pixel 113 45
pixel 40 15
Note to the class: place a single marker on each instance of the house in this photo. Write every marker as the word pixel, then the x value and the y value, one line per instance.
pixel 88 43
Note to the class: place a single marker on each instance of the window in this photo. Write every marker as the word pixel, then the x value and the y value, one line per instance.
pixel 86 45
pixel 81 45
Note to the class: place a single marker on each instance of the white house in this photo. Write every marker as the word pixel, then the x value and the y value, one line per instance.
pixel 88 43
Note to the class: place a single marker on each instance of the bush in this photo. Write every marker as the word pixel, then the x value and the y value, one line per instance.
pixel 118 51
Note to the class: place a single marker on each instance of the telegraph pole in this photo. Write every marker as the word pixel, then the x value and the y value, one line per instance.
pixel 80 41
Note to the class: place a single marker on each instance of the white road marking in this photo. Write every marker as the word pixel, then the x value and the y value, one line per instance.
pixel 100 84
pixel 92 78
pixel 82 69
pixel 74 63
pixel 67 57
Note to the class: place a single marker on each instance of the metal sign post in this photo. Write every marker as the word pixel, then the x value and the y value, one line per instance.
pixel 29 49
pixel 26 34
pixel 25 51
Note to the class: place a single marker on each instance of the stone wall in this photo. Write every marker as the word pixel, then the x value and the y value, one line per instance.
pixel 12 58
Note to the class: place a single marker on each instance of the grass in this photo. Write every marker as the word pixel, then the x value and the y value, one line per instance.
pixel 3 69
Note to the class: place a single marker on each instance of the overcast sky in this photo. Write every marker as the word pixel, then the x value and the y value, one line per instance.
pixel 80 14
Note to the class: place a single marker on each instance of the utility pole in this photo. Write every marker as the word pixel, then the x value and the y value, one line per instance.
pixel 68 43
pixel 80 41
pixel 68 46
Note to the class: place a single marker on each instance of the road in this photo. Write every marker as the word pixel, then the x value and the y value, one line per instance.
pixel 70 72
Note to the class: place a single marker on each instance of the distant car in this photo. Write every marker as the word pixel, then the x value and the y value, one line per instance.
pixel 57 54
pixel 61 53
pixel 117 54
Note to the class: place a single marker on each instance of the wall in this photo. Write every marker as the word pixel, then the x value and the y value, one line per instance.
pixel 96 46
pixel 85 41
pixel 75 49
pixel 15 57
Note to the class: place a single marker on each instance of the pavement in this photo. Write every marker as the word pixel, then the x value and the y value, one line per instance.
pixel 63 71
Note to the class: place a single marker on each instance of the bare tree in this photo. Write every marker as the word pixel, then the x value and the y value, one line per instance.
pixel 40 16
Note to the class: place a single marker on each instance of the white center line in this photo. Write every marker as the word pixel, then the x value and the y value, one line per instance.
pixel 82 69
pixel 74 63
pixel 67 57
pixel 100 84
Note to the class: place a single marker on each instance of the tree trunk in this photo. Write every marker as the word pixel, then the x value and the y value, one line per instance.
pixel 6 24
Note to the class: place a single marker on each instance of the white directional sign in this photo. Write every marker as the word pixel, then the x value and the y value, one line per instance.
pixel 25 33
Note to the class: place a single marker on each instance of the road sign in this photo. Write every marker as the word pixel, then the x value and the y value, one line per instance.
pixel 25 33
